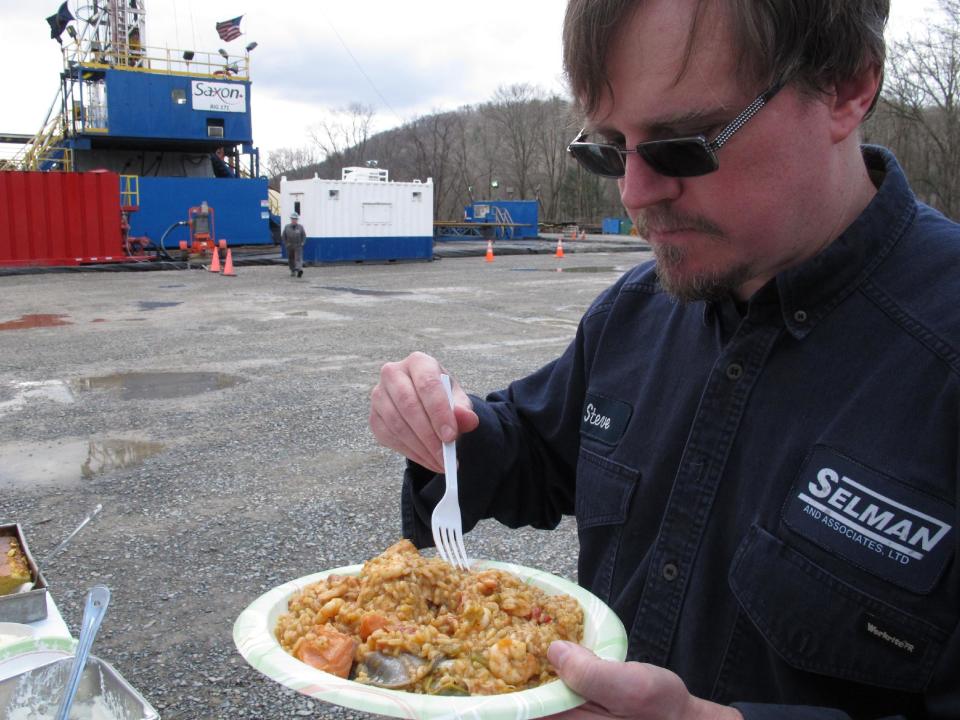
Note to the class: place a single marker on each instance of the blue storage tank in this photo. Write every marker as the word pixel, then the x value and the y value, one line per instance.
pixel 524 213
pixel 611 226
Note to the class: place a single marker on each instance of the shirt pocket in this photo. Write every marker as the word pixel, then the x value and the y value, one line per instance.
pixel 604 491
pixel 818 623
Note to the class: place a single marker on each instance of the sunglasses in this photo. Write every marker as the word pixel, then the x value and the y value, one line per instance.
pixel 676 157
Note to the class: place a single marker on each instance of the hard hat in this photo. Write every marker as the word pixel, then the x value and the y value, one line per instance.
pixel 294 216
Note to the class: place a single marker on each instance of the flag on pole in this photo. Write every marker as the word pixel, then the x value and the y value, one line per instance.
pixel 58 23
pixel 229 29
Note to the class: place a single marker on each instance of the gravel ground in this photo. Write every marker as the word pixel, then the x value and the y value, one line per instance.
pixel 216 488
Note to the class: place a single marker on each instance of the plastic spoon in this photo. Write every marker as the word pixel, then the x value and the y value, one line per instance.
pixel 80 527
pixel 97 600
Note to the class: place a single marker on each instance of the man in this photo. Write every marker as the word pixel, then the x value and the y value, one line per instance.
pixel 221 168
pixel 757 433
pixel 294 236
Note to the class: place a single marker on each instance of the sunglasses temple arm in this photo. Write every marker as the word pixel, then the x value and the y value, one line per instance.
pixel 740 120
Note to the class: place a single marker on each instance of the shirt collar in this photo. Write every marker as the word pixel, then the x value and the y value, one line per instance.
pixel 810 290
pixel 807 292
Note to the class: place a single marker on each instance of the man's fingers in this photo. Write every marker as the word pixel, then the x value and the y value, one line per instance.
pixel 411 448
pixel 425 374
pixel 587 675
pixel 420 403
pixel 392 427
pixel 410 411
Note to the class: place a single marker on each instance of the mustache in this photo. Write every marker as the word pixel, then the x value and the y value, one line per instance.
pixel 663 218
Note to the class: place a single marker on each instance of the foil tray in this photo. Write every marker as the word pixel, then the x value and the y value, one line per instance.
pixel 101 687
pixel 30 605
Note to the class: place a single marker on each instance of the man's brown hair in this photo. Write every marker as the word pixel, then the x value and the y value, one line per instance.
pixel 813 43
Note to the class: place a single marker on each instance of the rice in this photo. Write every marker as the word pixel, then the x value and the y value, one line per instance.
pixel 453 632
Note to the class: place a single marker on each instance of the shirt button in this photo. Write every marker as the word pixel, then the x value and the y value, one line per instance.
pixel 734 371
pixel 800 316
pixel 670 572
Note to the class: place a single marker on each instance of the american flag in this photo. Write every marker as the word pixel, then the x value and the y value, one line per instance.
pixel 229 29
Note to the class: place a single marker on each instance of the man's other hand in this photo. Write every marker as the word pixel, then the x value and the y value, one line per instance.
pixel 628 689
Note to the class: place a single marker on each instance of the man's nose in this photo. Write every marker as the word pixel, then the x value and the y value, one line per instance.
pixel 641 186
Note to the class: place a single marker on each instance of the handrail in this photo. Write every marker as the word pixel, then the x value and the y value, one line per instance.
pixel 130 190
pixel 45 150
pixel 164 61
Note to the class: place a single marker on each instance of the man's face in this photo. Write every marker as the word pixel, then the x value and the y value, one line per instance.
pixel 293 221
pixel 734 229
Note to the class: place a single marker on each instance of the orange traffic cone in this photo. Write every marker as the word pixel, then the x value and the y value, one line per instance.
pixel 215 265
pixel 489 250
pixel 228 265
pixel 560 247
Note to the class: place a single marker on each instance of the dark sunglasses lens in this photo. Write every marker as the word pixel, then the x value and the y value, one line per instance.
pixel 599 159
pixel 686 157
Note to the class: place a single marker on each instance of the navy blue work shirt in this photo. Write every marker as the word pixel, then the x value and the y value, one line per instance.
pixel 767 499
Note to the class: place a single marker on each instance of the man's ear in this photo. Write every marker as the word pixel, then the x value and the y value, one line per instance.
pixel 851 102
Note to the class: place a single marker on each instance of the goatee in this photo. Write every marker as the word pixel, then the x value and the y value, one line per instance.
pixel 712 285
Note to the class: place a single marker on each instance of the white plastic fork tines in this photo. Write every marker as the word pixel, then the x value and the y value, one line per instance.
pixel 445 522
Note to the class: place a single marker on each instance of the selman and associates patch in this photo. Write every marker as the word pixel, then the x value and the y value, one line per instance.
pixel 870 519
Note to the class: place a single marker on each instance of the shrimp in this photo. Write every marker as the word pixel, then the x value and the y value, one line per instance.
pixel 516 606
pixel 487 583
pixel 509 660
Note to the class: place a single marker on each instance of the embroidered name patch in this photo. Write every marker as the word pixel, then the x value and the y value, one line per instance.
pixel 604 419
pixel 874 521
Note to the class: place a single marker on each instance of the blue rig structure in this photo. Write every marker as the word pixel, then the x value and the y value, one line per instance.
pixel 157 117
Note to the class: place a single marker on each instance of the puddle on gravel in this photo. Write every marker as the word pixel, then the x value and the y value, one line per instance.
pixel 587 270
pixel 25 322
pixel 602 269
pixel 363 291
pixel 154 304
pixel 70 460
pixel 23 392
pixel 157 385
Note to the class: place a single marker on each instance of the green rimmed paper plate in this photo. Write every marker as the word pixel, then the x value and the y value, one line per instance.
pixel 26 654
pixel 603 633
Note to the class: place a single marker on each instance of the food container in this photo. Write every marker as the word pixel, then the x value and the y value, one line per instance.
pixel 102 692
pixel 30 605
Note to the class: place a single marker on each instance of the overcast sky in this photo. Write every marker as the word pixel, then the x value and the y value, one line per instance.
pixel 404 59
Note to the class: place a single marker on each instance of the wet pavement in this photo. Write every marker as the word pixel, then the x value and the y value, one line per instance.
pixel 156 385
pixel 224 430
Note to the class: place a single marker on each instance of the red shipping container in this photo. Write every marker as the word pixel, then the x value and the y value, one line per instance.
pixel 59 218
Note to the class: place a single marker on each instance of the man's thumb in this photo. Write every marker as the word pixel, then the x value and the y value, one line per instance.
pixel 574 664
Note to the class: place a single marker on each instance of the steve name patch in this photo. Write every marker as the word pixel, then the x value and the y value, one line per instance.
pixel 872 520
pixel 604 419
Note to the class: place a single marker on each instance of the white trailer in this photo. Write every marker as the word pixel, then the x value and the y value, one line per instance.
pixel 362 216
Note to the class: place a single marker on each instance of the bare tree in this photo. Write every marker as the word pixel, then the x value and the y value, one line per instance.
pixel 920 115
pixel 433 138
pixel 287 161
pixel 516 113
pixel 519 139
pixel 553 134
pixel 343 137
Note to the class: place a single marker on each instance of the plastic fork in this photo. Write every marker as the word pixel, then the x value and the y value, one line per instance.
pixel 445 522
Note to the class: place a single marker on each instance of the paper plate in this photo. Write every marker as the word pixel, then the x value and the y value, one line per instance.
pixel 18 657
pixel 603 633
pixel 11 632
